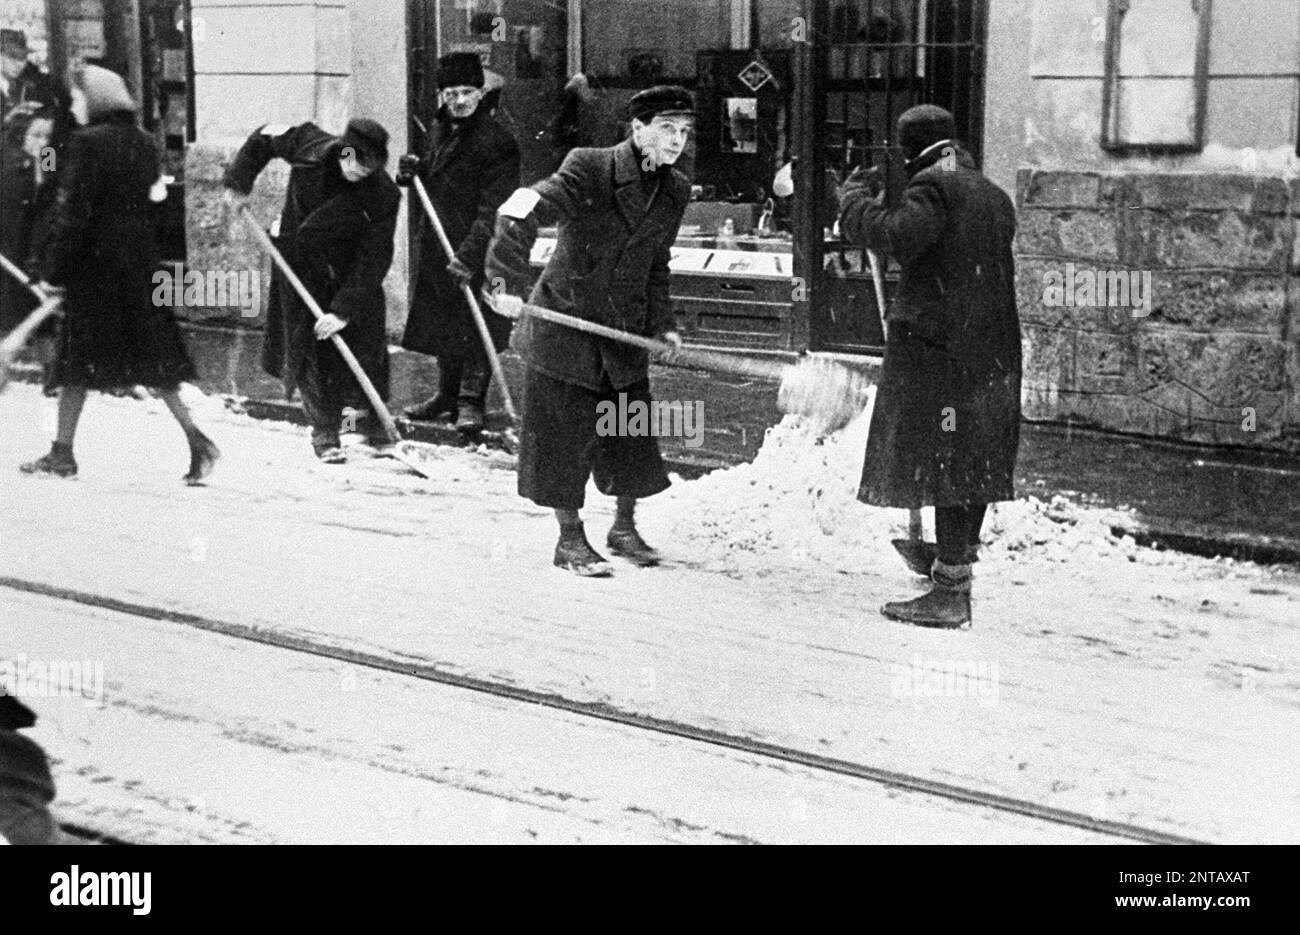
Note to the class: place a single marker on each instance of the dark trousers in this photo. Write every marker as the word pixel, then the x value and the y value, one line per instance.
pixel 559 448
pixel 325 388
pixel 957 530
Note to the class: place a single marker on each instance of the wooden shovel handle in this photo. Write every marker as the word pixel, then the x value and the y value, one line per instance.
pixel 493 358
pixel 707 360
pixel 381 410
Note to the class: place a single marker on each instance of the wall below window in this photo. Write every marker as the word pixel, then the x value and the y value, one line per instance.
pixel 1213 358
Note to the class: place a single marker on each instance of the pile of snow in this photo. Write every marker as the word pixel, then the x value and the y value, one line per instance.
pixel 798 500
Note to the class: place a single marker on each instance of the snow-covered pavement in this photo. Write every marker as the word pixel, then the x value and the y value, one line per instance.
pixel 1148 688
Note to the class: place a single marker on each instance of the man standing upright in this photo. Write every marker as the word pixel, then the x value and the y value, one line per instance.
pixel 470 166
pixel 336 232
pixel 618 210
pixel 24 88
pixel 947 419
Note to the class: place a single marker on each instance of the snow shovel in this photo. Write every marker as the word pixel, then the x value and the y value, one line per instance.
pixel 406 452
pixel 17 339
pixel 827 394
pixel 916 552
pixel 493 358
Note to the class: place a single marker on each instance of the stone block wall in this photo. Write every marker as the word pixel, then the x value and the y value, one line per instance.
pixel 1215 360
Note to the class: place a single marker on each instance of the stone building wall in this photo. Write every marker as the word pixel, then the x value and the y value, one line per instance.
pixel 287 62
pixel 1215 358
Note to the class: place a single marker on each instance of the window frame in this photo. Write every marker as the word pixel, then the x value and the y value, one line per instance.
pixel 1110 108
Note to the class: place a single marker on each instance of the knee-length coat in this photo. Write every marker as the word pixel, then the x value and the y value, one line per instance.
pixel 100 247
pixel 946 424
pixel 338 237
pixel 467 172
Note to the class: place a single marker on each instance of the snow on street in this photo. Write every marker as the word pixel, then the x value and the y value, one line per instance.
pixel 1150 688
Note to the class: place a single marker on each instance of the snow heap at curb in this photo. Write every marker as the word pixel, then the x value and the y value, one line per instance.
pixel 797 501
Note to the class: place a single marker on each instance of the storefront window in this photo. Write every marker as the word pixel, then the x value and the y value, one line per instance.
pixel 640 43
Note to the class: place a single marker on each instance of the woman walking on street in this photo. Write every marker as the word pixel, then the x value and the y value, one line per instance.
pixel 100 256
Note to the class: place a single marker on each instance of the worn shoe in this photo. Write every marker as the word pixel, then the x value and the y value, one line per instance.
pixel 471 417
pixel 203 457
pixel 919 556
pixel 628 544
pixel 58 463
pixel 472 398
pixel 574 553
pixel 434 409
pixel 946 606
pixel 326 445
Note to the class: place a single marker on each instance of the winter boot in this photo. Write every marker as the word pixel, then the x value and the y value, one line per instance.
pixel 203 456
pixel 626 542
pixel 574 553
pixel 59 462
pixel 946 606
pixel 325 442
pixel 441 407
pixel 434 409
pixel 473 396
pixel 919 556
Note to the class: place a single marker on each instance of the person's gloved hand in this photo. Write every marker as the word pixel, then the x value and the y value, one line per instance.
pixel 503 303
pixel 408 167
pixel 328 326
pixel 673 338
pixel 460 272
pixel 863 181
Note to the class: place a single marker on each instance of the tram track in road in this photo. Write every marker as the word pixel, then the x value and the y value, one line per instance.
pixel 774 752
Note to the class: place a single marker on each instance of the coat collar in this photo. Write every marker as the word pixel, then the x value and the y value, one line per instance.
pixel 933 153
pixel 628 193
pixel 445 140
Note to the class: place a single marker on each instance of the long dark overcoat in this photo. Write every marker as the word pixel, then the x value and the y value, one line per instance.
pixel 338 237
pixel 23 203
pixel 100 246
pixel 610 264
pixel 946 424
pixel 467 173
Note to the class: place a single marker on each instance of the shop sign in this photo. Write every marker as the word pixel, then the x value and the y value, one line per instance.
pixel 755 75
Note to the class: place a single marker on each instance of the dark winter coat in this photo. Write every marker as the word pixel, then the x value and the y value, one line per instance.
pixel 32 90
pixel 947 417
pixel 338 237
pixel 25 206
pixel 610 264
pixel 100 247
pixel 468 172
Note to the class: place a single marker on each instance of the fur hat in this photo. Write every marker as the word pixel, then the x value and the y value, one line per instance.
pixel 460 69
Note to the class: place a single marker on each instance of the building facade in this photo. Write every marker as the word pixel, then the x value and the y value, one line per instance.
pixel 1151 147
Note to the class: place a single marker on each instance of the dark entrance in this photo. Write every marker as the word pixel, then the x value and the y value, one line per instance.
pixel 866 63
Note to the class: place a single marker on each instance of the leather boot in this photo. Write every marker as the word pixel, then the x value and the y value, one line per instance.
pixel 946 606
pixel 441 406
pixel 325 442
pixel 574 553
pixel 626 542
pixel 473 396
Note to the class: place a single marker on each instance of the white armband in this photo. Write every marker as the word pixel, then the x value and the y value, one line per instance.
pixel 520 204
pixel 275 129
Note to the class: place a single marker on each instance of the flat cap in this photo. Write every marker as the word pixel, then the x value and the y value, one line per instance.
pixel 668 100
